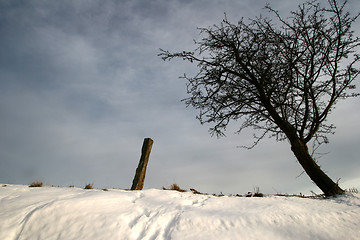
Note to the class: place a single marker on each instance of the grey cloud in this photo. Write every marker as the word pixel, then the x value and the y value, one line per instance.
pixel 81 85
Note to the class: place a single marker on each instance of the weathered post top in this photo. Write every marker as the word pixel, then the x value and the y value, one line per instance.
pixel 138 182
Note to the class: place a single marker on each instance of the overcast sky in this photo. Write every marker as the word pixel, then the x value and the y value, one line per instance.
pixel 81 86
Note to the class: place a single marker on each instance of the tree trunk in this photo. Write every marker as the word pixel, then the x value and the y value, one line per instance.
pixel 139 179
pixel 329 187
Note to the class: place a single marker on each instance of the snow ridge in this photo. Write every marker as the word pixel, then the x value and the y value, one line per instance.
pixel 73 213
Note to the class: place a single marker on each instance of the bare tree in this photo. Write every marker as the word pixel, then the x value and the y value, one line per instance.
pixel 281 77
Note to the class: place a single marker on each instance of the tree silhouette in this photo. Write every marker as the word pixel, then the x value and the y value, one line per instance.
pixel 281 76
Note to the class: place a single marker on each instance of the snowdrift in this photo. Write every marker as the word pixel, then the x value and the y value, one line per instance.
pixel 72 213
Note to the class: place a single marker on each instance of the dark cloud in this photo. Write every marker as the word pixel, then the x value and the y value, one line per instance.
pixel 81 85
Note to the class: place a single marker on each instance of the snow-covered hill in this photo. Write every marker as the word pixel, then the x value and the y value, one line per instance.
pixel 72 213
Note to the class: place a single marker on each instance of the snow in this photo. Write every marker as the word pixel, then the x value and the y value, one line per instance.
pixel 73 213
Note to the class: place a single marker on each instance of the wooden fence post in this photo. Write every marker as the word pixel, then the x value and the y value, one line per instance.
pixel 138 182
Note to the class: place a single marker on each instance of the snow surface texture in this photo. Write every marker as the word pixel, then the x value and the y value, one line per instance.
pixel 73 213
